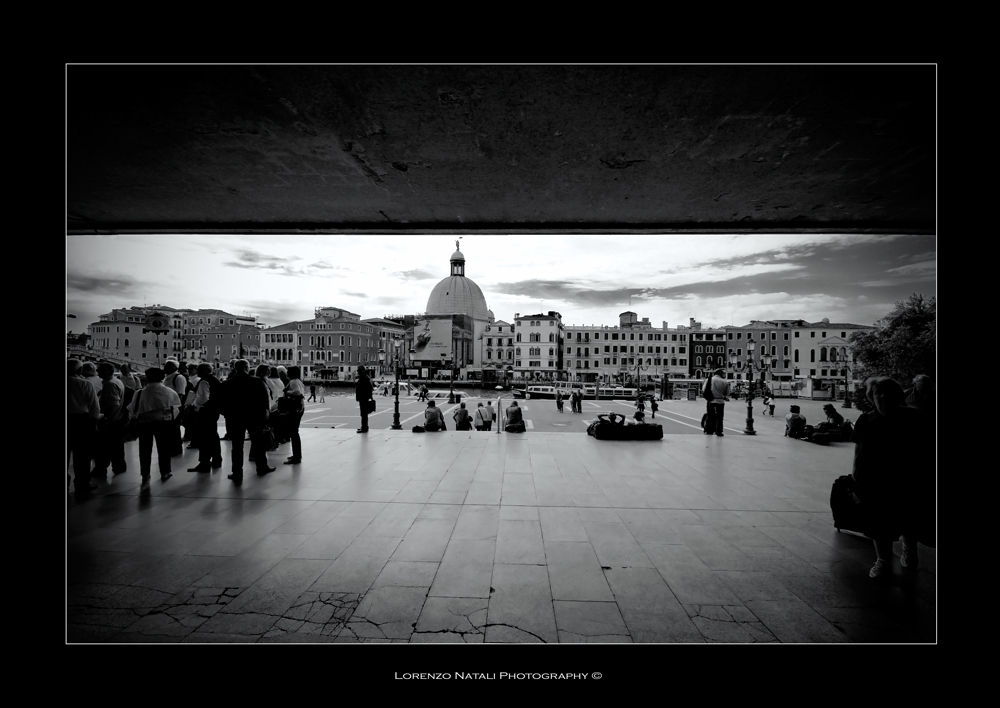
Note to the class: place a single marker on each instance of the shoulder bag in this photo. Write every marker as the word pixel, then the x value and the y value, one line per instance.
pixel 131 430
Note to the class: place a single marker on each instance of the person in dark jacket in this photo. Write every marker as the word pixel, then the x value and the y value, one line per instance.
pixel 894 468
pixel 247 402
pixel 433 418
pixel 461 417
pixel 207 407
pixel 363 394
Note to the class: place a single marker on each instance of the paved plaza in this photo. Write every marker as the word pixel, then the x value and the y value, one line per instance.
pixel 477 537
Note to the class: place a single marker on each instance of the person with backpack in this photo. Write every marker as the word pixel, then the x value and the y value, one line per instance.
pixel 478 421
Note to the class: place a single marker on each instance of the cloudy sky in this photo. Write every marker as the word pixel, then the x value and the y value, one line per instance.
pixel 716 279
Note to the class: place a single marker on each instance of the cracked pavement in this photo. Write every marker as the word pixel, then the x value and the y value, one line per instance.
pixel 474 538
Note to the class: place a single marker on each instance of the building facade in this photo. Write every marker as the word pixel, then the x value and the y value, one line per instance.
pixel 633 352
pixel 538 343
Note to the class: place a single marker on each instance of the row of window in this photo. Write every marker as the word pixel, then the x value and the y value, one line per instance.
pixel 650 336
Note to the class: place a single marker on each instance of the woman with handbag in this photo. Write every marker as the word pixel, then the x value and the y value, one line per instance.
pixel 295 395
pixel 270 436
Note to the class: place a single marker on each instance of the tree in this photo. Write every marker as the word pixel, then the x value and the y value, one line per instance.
pixel 902 345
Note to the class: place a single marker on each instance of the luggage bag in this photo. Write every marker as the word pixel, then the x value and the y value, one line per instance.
pixel 846 506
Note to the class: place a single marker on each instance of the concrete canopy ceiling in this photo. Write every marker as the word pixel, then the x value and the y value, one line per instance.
pixel 426 149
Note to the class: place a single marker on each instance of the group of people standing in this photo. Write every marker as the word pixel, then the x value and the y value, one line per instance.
pixel 265 408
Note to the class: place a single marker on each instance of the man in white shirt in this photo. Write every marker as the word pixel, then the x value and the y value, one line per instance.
pixel 716 408
pixel 90 374
pixel 155 407
pixel 488 416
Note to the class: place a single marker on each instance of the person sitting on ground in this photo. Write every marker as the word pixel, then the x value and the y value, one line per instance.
pixel 795 423
pixel 616 419
pixel 433 418
pixel 638 418
pixel 461 418
pixel 514 414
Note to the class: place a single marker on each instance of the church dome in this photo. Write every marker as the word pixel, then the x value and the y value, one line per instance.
pixel 457 294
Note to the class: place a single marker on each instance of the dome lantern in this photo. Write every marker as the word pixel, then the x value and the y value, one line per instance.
pixel 457 262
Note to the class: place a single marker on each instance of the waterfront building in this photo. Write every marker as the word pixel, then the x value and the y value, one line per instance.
pixel 538 343
pixel 329 345
pixel 633 351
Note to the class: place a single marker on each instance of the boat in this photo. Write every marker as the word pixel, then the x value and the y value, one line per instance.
pixel 608 393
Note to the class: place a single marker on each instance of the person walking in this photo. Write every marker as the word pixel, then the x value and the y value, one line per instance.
pixel 207 407
pixel 478 422
pixel 488 416
pixel 110 446
pixel 766 403
pixel 83 411
pixel 247 401
pixel 297 392
pixel 312 392
pixel 653 407
pixel 894 468
pixel 559 401
pixel 155 408
pixel 363 394
pixel 716 408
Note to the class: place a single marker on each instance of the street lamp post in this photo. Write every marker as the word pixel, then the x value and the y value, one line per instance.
pixel 751 366
pixel 396 344
pixel 847 391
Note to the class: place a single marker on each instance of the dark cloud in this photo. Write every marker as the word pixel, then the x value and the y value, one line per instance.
pixel 106 284
pixel 255 260
pixel 275 313
pixel 566 291
pixel 387 300
pixel 415 274
pixel 839 269
pixel 248 258
pixel 350 294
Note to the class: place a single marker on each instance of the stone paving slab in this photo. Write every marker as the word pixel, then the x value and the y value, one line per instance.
pixel 460 538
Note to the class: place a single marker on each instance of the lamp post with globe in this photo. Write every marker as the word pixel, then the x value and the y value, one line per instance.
pixel 762 368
